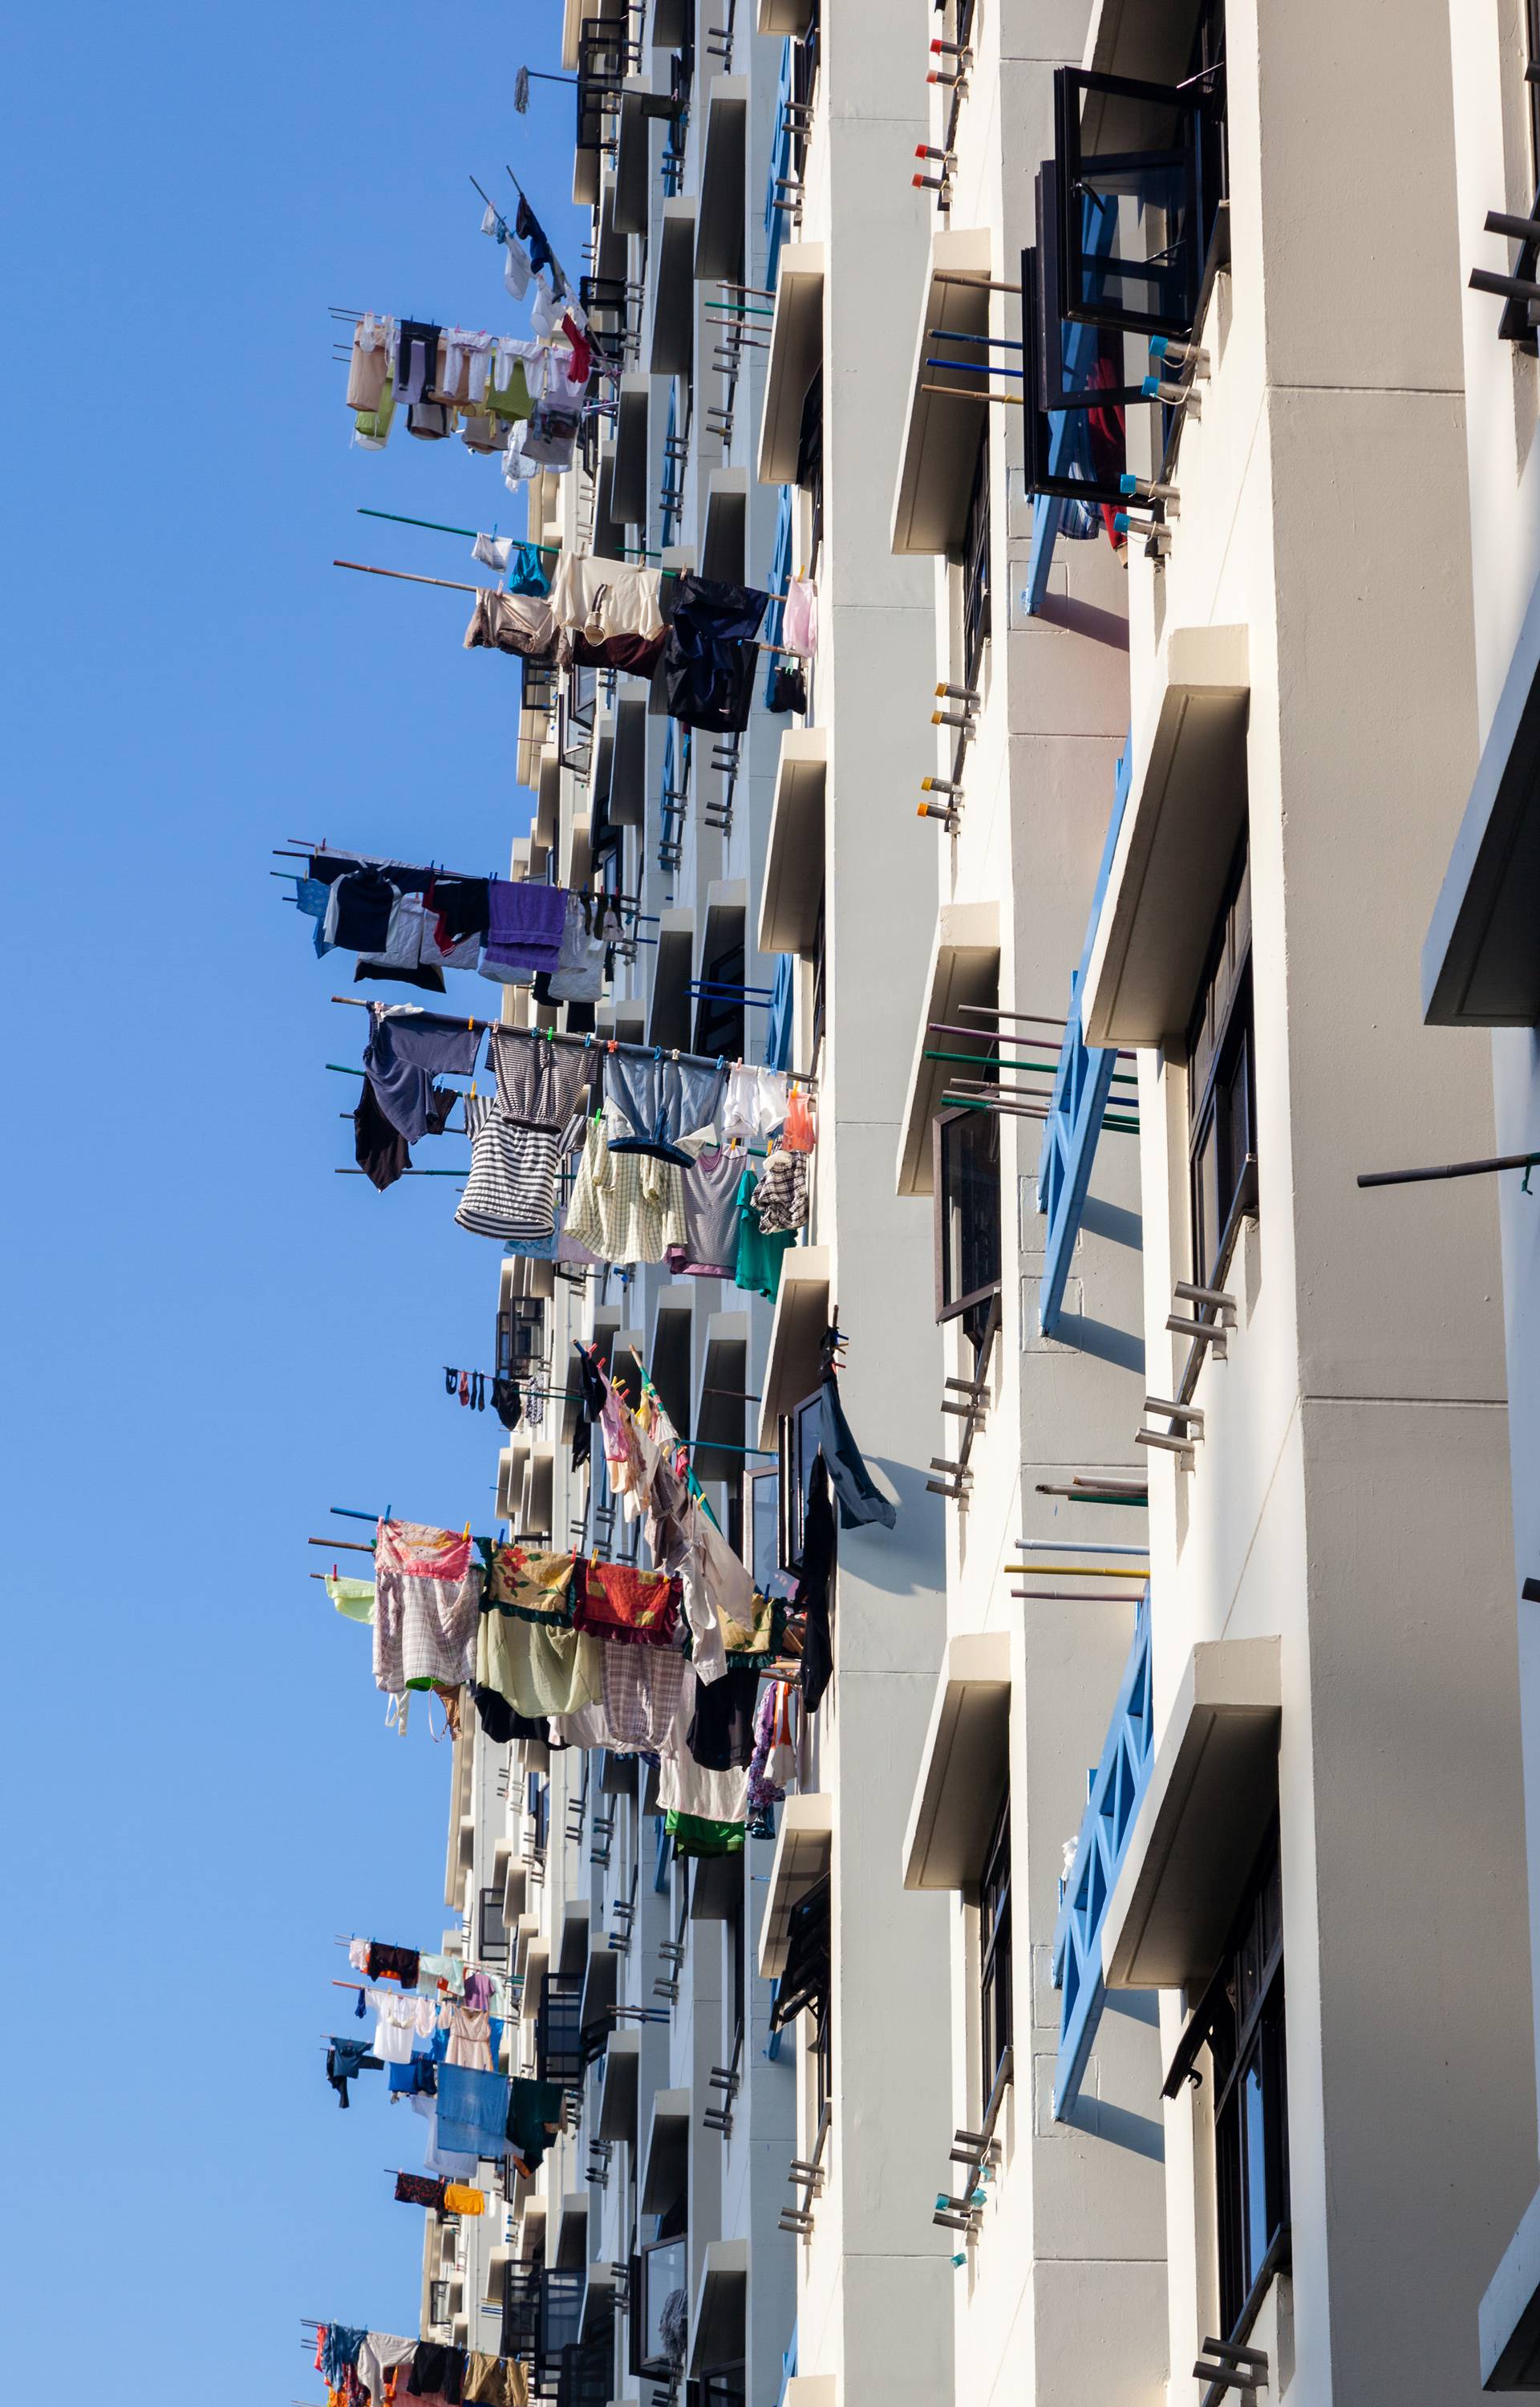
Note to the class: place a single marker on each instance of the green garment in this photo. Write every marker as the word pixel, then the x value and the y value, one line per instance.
pixel 760 1258
pixel 532 2104
pixel 693 1835
pixel 510 400
pixel 537 1668
pixel 374 425
pixel 353 1597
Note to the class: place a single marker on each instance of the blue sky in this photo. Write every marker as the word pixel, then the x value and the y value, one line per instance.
pixel 213 1338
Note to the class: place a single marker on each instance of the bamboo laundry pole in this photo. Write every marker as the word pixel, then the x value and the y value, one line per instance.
pixel 587 1044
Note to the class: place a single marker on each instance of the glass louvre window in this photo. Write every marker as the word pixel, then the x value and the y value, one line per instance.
pixel 1141 176
pixel 967 1210
pixel 1221 1085
pixel 1246 2043
pixel 976 571
pixel 994 1948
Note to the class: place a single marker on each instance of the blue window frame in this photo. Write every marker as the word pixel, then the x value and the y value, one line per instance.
pixel 780 574
pixel 780 167
pixel 671 517
pixel 1079 1108
pixel 1117 1792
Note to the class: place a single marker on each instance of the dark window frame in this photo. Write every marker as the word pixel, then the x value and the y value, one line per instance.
pixel 977 583
pixel 996 1968
pixel 798 1442
pixel 983 1127
pixel 1222 1126
pixel 1248 2050
pixel 680 2239
pixel 1173 279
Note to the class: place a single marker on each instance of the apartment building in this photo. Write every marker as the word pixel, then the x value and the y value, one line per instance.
pixel 1478 957
pixel 731 2205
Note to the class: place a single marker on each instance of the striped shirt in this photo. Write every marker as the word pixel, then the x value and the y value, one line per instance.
pixel 511 1191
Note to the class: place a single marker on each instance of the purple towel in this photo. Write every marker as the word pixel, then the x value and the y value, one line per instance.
pixel 525 922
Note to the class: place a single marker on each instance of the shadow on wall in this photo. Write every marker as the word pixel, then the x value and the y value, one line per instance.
pixel 1099 1218
pixel 1099 1337
pixel 908 1560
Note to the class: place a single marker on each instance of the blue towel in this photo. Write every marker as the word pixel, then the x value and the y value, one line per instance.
pixel 473 2111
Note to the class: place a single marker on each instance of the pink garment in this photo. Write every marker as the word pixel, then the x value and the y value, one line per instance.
pixel 799 618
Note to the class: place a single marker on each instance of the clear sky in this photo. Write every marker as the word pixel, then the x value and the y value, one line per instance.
pixel 212 1338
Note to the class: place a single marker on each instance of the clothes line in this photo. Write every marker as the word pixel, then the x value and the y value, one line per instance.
pixel 631 902
pixel 588 1044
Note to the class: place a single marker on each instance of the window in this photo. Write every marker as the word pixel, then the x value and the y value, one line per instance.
pixel 799 1439
pixel 725 2387
pixel 967 1217
pixel 559 2053
pixel 1246 2044
pixel 662 2324
pixel 976 571
pixel 1220 1078
pixel 995 1949
pixel 1141 176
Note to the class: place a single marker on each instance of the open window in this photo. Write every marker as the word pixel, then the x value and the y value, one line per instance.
pixel 1140 177
pixel 1074 423
pixel 798 1450
pixel 976 570
pixel 994 1983
pixel 661 2322
pixel 1222 1085
pixel 968 1215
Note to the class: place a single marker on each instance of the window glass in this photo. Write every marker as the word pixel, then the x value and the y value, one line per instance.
pixel 1220 1055
pixel 967 1201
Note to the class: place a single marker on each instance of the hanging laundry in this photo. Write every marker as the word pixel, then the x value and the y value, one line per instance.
pixel 536 2111
pixel 625 1207
pixel 860 1500
pixel 710 656
pixel 801 1133
pixel 772 1764
pixel 511 623
pixel 495 2381
pixel 721 1730
pixel 538 1670
pixel 437 2375
pixel 599 598
pixel 354 1598
pixel 426 1593
pixel 416 2078
pixel 755 1103
pixel 406 1049
pixel 501 1724
pixel 508 396
pixel 540 1083
pixel 710 1250
pixel 395 2025
pixel 525 921
pixel 469 2040
pixel 699 1834
pixel 536 1587
pixel 781 1198
pixel 799 617
pixel 529 230
pixel 416 359
pixel 459 2199
pixel 380 2352
pixel 369 367
pixel 522 564
pixel 508 1403
pixel 358 914
pixel 671 1105
pixel 815 1571
pixel 549 434
pixel 581 367
pixel 643 1689
pixel 757 1267
pixel 372 427
pixel 473 2109
pixel 618 1603
pixel 382 1962
pixel 345 2059
pixel 338 2351
pixel 579 973
pixel 511 1189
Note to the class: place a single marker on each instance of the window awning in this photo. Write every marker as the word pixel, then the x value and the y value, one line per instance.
pixel 722 943
pixel 786 16
pixel 963 1765
pixel 539 1488
pixel 600 1981
pixel 801 1315
pixel 634 156
pixel 965 968
pixel 941 435
pixel 516 1881
pixel 665 2162
pixel 1480 963
pixel 724 153
pixel 573 1947
pixel 717 2328
pixel 630 475
pixel 617 2096
pixel 803 1846
pixel 547 795
pixel 577 850
pixel 493 2281
pixel 674 291
pixel 793 852
pixel 671 974
pixel 672 1354
pixel 597 2300
pixel 629 765
pixel 1184 816
pixel 725 530
pixel 720 1413
pixel 571 2228
pixel 1211 1795
pixel 795 349
pixel 510 1482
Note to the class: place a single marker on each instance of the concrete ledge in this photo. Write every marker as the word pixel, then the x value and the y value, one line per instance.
pixel 665 2159
pixel 1185 816
pixel 965 967
pixel 717 2335
pixel 1481 964
pixel 793 885
pixel 803 1846
pixel 1508 2321
pixel 724 152
pixel 797 1332
pixel 943 434
pixel 1211 1794
pixel 962 1766
pixel 617 2096
pixel 796 348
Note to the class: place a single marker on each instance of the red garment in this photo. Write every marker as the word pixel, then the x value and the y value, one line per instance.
pixel 1109 443
pixel 583 351
pixel 634 1607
